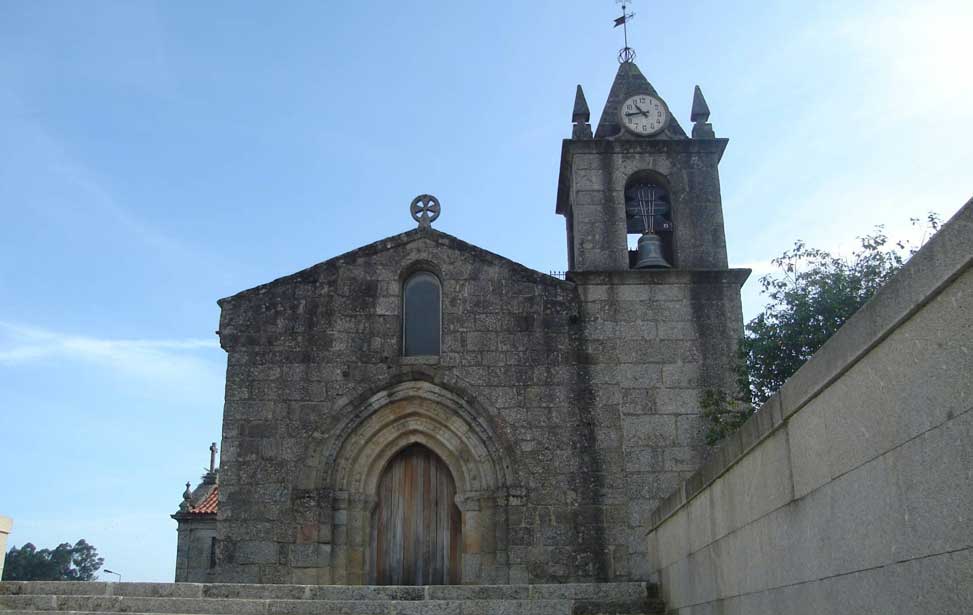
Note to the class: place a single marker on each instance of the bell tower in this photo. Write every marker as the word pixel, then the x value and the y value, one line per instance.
pixel 639 174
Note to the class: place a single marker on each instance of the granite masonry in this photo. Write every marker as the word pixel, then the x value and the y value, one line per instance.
pixel 564 409
pixel 851 489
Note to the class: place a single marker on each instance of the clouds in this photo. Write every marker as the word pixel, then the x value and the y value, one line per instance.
pixel 70 193
pixel 91 417
pixel 923 46
pixel 20 343
pixel 183 363
pixel 866 123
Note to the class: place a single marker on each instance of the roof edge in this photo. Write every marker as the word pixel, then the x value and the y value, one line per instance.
pixel 395 241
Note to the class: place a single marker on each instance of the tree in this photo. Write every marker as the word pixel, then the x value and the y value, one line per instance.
pixel 63 563
pixel 811 296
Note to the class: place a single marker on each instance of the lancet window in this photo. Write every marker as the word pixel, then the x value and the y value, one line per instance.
pixel 421 315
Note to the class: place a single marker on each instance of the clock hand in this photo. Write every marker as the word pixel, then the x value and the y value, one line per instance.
pixel 645 113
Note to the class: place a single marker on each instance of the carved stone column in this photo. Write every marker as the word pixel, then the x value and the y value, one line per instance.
pixel 471 522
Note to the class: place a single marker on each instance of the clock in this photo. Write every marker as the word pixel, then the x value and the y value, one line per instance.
pixel 644 115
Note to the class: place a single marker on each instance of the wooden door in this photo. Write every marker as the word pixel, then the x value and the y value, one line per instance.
pixel 416 523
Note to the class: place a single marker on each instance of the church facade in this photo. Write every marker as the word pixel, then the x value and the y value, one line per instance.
pixel 422 411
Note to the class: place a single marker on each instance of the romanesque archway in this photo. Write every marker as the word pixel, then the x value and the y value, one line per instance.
pixel 350 465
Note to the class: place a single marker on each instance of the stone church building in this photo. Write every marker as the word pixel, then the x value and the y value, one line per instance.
pixel 420 411
pixel 423 411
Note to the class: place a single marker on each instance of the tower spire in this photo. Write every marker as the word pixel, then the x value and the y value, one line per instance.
pixel 699 115
pixel 580 116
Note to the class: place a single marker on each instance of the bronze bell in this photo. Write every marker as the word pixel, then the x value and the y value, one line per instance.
pixel 650 252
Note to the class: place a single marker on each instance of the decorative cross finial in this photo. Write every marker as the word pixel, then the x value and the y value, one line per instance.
pixel 212 457
pixel 626 54
pixel 424 209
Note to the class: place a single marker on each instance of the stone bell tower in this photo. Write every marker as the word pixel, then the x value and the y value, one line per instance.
pixel 640 174
pixel 660 323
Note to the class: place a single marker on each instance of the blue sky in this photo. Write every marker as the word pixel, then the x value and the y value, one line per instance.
pixel 155 157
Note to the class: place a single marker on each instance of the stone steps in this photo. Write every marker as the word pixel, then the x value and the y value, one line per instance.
pixel 39 597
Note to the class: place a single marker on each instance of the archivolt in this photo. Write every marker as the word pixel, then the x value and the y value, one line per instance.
pixel 414 412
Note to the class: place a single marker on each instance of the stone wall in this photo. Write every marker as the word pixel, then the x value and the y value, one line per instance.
pixel 652 340
pixel 591 196
pixel 194 550
pixel 850 491
pixel 6 523
pixel 563 408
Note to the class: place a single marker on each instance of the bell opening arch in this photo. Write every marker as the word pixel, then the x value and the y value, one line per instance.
pixel 649 213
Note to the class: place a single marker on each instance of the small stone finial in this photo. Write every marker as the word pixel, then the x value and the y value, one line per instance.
pixel 581 113
pixel 425 209
pixel 700 117
pixel 212 457
pixel 580 116
pixel 700 112
pixel 186 498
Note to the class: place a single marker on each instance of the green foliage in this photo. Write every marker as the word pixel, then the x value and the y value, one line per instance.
pixel 63 563
pixel 816 295
pixel 723 414
pixel 811 296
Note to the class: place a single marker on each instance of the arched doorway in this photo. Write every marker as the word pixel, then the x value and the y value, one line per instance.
pixel 349 464
pixel 416 525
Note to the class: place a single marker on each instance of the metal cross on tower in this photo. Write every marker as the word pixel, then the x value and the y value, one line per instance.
pixel 626 54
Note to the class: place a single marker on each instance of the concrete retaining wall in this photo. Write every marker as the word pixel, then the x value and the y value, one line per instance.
pixel 851 490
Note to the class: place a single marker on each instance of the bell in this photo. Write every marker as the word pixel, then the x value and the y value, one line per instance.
pixel 650 252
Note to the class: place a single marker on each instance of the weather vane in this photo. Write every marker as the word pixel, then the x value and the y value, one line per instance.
pixel 626 54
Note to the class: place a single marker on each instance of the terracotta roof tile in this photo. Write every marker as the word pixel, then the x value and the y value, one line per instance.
pixel 208 505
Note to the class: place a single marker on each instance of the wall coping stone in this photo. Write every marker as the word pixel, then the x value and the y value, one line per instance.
pixel 945 257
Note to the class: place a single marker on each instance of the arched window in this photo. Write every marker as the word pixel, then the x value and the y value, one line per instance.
pixel 648 211
pixel 421 311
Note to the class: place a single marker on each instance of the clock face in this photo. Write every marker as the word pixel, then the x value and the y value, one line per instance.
pixel 644 115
